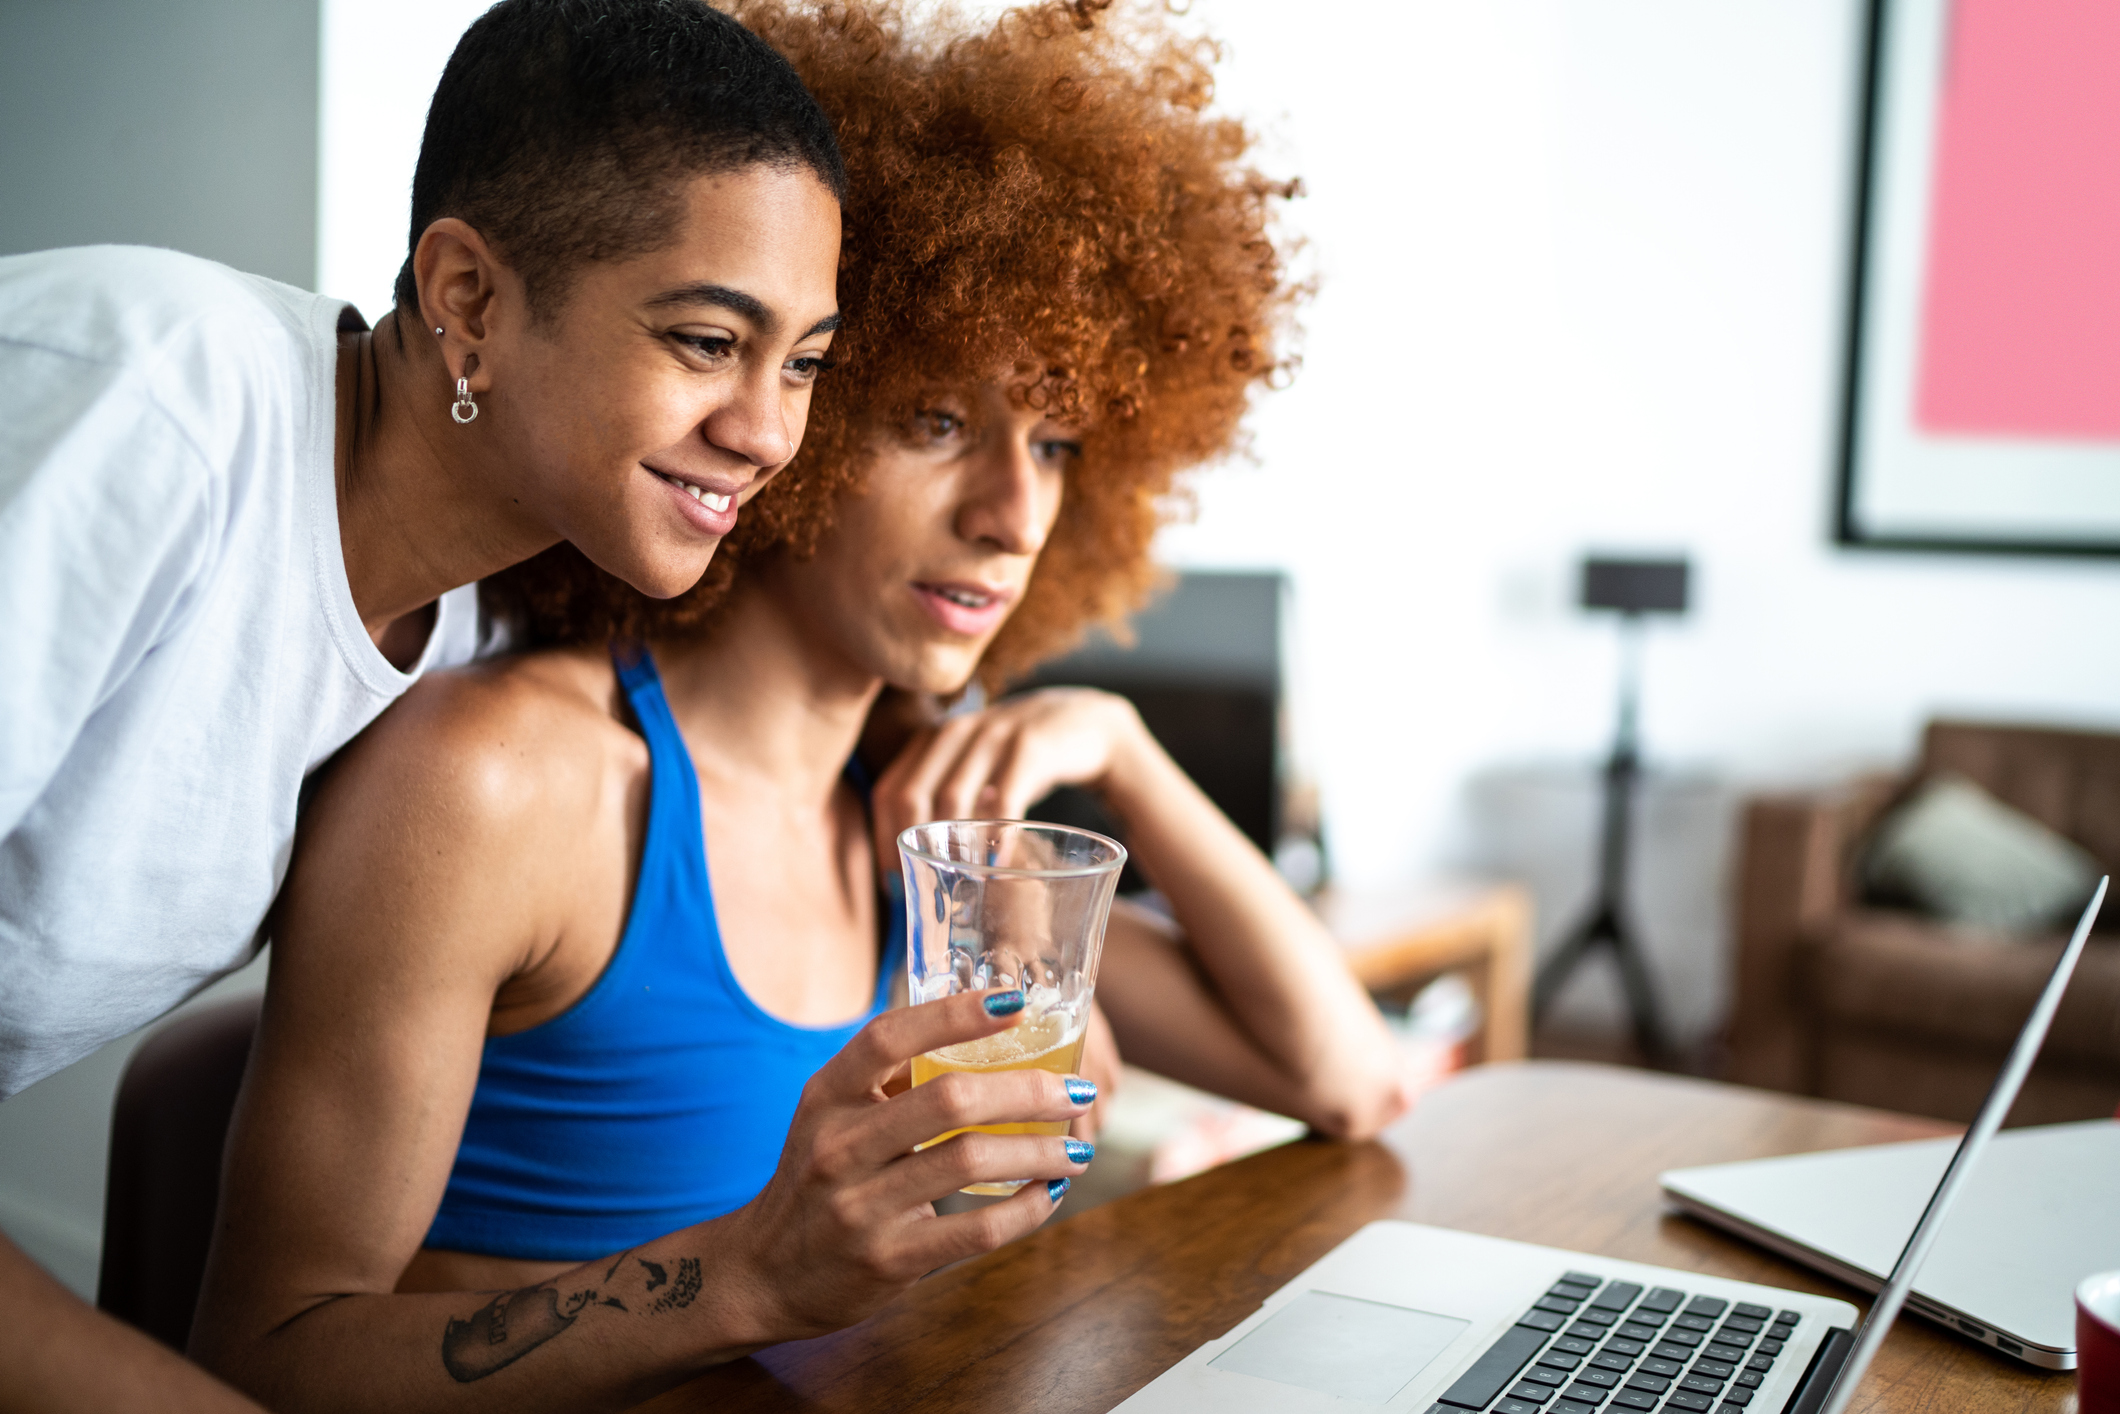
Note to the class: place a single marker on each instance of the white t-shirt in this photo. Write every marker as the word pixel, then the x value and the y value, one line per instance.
pixel 178 642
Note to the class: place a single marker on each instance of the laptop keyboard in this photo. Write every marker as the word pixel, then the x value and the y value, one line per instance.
pixel 1589 1346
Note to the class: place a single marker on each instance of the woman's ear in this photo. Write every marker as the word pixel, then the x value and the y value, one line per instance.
pixel 460 283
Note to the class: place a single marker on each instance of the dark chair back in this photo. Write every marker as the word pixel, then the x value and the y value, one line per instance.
pixel 167 1132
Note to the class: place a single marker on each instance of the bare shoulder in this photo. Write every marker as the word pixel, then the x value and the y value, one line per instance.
pixel 492 748
pixel 472 805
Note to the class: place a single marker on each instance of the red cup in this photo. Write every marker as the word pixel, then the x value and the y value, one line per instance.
pixel 2098 1344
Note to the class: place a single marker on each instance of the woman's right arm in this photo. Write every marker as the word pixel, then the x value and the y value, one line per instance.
pixel 438 862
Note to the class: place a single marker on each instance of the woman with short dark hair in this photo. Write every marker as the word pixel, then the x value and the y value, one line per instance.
pixel 232 518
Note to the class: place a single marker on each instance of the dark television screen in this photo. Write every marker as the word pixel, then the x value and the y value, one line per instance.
pixel 1205 674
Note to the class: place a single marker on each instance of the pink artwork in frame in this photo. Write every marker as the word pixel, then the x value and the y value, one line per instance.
pixel 2020 331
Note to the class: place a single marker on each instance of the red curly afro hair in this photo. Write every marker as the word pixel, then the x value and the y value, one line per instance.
pixel 1050 195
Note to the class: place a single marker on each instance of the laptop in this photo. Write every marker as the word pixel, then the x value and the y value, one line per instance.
pixel 1404 1317
pixel 2037 1217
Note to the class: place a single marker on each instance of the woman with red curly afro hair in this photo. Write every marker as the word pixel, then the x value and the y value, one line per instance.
pixel 580 990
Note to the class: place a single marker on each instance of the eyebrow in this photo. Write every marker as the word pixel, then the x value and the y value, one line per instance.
pixel 737 302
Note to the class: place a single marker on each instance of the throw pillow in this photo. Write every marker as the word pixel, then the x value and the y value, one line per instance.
pixel 1955 851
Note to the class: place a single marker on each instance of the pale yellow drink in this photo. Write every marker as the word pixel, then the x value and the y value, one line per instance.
pixel 1035 1043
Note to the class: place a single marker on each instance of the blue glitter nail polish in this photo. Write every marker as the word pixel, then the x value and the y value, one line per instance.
pixel 1079 1091
pixel 1080 1151
pixel 1057 1189
pixel 1005 1003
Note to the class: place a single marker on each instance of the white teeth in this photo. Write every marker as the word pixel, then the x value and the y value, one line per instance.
pixel 967 598
pixel 706 498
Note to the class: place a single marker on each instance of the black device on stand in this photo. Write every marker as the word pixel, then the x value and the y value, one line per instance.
pixel 1632 589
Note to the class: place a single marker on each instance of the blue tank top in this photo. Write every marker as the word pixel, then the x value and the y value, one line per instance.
pixel 662 1097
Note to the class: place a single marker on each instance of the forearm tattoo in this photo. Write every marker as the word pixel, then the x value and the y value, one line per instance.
pixel 515 1323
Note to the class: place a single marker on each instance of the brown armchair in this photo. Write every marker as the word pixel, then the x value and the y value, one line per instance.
pixel 1884 1007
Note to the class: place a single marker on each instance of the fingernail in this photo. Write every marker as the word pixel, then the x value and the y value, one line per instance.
pixel 1005 1003
pixel 1057 1189
pixel 1079 1091
pixel 1080 1151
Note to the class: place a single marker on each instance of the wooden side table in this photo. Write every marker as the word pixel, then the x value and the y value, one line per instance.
pixel 1398 939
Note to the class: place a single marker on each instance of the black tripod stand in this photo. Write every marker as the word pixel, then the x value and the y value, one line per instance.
pixel 1605 923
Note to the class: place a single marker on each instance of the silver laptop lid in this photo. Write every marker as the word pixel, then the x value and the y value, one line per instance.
pixel 1871 1333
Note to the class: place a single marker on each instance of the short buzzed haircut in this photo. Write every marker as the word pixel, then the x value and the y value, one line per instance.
pixel 562 129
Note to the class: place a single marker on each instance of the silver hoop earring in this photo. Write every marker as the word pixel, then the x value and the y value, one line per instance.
pixel 463 409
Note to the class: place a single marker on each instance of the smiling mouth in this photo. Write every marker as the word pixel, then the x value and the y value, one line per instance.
pixel 969 598
pixel 713 501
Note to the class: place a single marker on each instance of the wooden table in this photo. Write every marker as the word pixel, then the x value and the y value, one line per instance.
pixel 1398 939
pixel 1082 1313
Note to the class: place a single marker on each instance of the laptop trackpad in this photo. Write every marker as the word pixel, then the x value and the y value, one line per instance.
pixel 1343 1346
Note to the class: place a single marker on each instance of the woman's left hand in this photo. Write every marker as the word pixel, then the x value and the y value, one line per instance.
pixel 996 762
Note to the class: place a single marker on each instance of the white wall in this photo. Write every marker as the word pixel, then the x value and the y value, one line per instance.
pixel 381 61
pixel 1583 277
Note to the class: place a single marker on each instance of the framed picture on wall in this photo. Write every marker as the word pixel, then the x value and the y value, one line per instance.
pixel 1983 379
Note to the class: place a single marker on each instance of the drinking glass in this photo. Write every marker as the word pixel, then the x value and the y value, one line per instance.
pixel 1008 903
